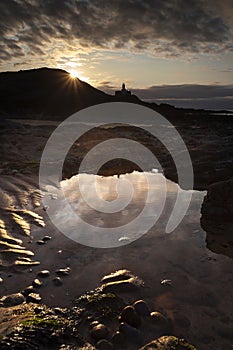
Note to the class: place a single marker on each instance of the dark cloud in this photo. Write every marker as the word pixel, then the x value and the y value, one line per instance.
pixel 171 27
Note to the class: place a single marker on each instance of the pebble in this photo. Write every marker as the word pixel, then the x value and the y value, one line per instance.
pixel 12 300
pixel 46 238
pixel 43 273
pixel 40 242
pixel 131 332
pixel 130 316
pixel 142 308
pixel 28 290
pixel 125 286
pixel 119 340
pixel 104 344
pixel 159 321
pixel 57 281
pixel 99 332
pixel 63 272
pixel 37 283
pixel 166 282
pixel 33 298
pixel 1 280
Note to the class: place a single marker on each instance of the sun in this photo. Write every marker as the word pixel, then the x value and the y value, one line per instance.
pixel 73 74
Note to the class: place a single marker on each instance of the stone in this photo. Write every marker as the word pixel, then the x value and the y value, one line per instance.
pixel 28 290
pixel 168 343
pixel 217 217
pixel 130 316
pixel 58 281
pixel 159 321
pixel 46 238
pixel 63 272
pixel 119 275
pixel 141 308
pixel 127 286
pixel 104 344
pixel 33 298
pixel 131 333
pixel 119 340
pixel 43 273
pixel 99 332
pixel 12 300
pixel 40 242
pixel 1 280
pixel 37 283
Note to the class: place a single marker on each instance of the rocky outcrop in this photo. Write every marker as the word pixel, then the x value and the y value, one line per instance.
pixel 217 217
pixel 98 320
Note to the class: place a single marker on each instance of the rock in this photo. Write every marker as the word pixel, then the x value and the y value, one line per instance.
pixel 33 298
pixel 93 324
pixel 142 308
pixel 130 332
pixel 1 280
pixel 217 217
pixel 104 344
pixel 37 283
pixel 119 340
pixel 57 281
pixel 43 273
pixel 40 242
pixel 159 321
pixel 46 238
pixel 99 332
pixel 119 275
pixel 130 285
pixel 28 290
pixel 63 272
pixel 168 343
pixel 130 316
pixel 12 300
pixel 166 282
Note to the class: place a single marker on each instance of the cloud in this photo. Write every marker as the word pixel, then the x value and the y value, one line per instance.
pixel 169 28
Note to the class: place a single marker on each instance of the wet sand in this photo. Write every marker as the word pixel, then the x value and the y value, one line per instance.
pixel 199 300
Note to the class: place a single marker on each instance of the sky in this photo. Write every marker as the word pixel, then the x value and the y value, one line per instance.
pixel 173 51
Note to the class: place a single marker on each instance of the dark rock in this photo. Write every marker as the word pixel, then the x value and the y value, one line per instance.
pixel 37 283
pixel 40 242
pixel 142 308
pixel 46 238
pixel 168 343
pixel 217 217
pixel 159 321
pixel 130 285
pixel 43 273
pixel 57 281
pixel 131 333
pixel 104 344
pixel 33 298
pixel 93 324
pixel 119 340
pixel 12 300
pixel 63 272
pixel 99 332
pixel 130 316
pixel 28 290
pixel 119 275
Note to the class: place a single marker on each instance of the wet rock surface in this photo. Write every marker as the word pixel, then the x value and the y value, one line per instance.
pixel 98 320
pixel 217 217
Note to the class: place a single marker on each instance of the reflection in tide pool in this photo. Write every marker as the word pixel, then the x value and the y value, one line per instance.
pixel 108 208
pixel 198 298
